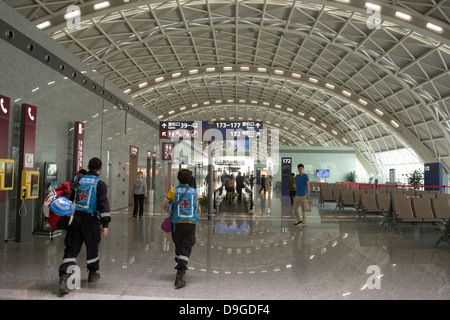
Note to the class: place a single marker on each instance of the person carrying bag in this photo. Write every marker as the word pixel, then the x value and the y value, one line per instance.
pixel 170 208
pixel 184 219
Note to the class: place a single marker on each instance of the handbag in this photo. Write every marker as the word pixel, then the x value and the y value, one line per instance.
pixel 166 226
pixel 308 206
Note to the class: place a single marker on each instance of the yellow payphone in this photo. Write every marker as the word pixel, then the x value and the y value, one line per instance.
pixel 29 188
pixel 6 174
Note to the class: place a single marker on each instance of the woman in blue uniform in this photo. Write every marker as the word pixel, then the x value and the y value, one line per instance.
pixel 184 220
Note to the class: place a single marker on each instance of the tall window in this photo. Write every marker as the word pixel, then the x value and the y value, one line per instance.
pixel 404 161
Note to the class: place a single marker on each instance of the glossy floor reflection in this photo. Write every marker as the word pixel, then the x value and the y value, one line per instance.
pixel 242 256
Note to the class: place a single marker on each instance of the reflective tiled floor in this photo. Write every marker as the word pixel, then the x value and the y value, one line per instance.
pixel 242 256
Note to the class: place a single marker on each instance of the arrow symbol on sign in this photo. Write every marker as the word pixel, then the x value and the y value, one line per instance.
pixel 257 125
pixel 164 125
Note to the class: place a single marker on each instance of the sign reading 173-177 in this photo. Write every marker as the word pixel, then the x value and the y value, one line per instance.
pixel 239 129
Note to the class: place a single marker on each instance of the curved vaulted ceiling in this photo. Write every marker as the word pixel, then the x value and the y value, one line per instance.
pixel 323 72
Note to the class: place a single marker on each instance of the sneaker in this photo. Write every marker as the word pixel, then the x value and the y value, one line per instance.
pixel 304 226
pixel 298 222
pixel 93 276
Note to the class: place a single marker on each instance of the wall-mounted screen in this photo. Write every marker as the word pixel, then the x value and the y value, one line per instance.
pixel 322 173
pixel 34 185
pixel 9 174
pixel 286 169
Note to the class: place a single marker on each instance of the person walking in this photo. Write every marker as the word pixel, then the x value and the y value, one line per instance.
pixel 91 210
pixel 263 184
pixel 229 185
pixel 184 220
pixel 291 187
pixel 302 195
pixel 269 182
pixel 240 185
pixel 140 193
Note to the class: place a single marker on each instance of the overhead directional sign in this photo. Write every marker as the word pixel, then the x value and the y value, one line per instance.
pixel 239 129
pixel 182 129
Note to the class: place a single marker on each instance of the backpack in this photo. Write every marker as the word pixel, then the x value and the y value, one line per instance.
pixel 185 210
pixel 86 194
pixel 170 208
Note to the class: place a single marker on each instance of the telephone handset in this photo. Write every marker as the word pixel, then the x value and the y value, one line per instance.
pixel 30 115
pixel 3 107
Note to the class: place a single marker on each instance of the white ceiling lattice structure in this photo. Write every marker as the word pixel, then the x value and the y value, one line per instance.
pixel 318 69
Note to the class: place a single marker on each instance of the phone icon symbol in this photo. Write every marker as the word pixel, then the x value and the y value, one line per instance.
pixel 30 115
pixel 3 108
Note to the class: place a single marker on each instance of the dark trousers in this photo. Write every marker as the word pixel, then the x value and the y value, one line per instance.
pixel 84 229
pixel 138 204
pixel 263 187
pixel 184 239
pixel 239 190
pixel 292 195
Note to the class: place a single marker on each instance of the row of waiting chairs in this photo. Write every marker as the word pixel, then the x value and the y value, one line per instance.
pixel 398 207
pixel 347 197
pixel 422 210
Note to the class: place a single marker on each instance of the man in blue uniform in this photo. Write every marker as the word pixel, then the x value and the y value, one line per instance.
pixel 302 194
pixel 91 210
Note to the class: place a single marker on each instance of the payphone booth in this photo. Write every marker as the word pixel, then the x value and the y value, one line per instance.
pixel 49 183
pixel 6 174
pixel 30 185
pixel 286 170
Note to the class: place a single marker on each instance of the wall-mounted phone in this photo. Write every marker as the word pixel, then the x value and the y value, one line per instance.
pixel 6 174
pixel 29 188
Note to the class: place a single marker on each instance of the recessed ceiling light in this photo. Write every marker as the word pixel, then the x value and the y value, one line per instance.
pixel 434 27
pixel 101 5
pixel 394 124
pixel 403 16
pixel 279 72
pixel 373 6
pixel 379 112
pixel 44 25
pixel 72 14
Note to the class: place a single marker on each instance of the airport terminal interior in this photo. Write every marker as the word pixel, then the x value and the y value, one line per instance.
pixel 355 91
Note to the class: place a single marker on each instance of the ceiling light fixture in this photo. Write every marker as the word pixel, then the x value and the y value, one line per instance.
pixel 101 5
